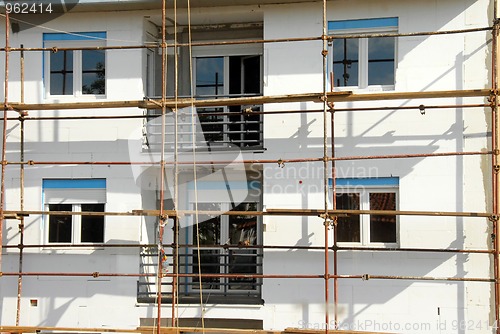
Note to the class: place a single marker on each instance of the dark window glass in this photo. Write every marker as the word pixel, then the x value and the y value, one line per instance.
pixel 243 232
pixel 382 227
pixel 209 264
pixel 61 73
pixel 60 226
pixel 348 228
pixel 345 62
pixel 210 84
pixel 209 234
pixel 93 72
pixel 381 61
pixel 92 226
pixel 212 125
pixel 208 226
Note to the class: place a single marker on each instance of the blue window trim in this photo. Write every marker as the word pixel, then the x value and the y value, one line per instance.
pixel 385 22
pixel 75 36
pixel 366 182
pixel 74 184
pixel 221 185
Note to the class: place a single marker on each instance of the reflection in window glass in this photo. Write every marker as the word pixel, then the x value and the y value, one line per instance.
pixel 209 228
pixel 345 62
pixel 209 264
pixel 61 73
pixel 348 228
pixel 382 227
pixel 209 225
pixel 93 72
pixel 381 61
pixel 243 232
pixel 209 76
pixel 60 226
pixel 212 125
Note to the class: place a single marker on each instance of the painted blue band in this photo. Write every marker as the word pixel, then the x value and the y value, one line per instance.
pixel 374 181
pixel 215 185
pixel 363 23
pixel 76 36
pixel 74 184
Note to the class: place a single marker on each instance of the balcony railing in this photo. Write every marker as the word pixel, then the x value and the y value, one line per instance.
pixel 216 260
pixel 213 128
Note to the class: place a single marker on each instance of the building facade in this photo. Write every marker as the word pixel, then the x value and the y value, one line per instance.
pixel 94 262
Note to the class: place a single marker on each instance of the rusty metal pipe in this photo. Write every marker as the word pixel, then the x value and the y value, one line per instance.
pixel 269 212
pixel 278 247
pixel 495 161
pixel 365 277
pixel 326 189
pixel 4 133
pixel 21 199
pixel 247 161
pixel 162 217
pixel 273 112
pixel 261 41
pixel 254 161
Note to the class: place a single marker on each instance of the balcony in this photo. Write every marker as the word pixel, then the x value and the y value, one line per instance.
pixel 213 128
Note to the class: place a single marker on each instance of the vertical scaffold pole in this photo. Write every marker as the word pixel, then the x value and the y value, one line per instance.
pixel 162 219
pixel 4 132
pixel 21 199
pixel 326 222
pixel 495 160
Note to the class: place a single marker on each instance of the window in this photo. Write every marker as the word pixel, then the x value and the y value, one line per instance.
pixel 367 194
pixel 218 73
pixel 363 62
pixel 227 242
pixel 234 232
pixel 223 77
pixel 74 72
pixel 74 195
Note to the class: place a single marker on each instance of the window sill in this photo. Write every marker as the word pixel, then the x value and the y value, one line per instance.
pixel 70 248
pixel 73 98
pixel 244 301
pixel 369 89
pixel 217 150
pixel 370 245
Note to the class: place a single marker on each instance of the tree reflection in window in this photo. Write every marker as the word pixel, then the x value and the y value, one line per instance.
pixel 93 72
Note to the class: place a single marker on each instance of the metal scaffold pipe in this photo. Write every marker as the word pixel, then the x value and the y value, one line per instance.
pixel 4 134
pixel 364 277
pixel 252 41
pixel 21 199
pixel 495 182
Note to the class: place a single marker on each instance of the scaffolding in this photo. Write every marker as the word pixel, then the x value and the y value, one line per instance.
pixel 19 112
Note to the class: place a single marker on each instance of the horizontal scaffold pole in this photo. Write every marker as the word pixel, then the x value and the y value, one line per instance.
pixel 364 277
pixel 13 214
pixel 172 103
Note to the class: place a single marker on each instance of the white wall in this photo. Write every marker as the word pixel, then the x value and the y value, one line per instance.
pixel 432 184
pixel 442 184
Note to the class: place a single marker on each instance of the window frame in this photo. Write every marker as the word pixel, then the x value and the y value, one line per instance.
pixel 73 40
pixel 72 185
pixel 364 191
pixel 363 51
pixel 224 235
pixel 226 52
pixel 76 225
